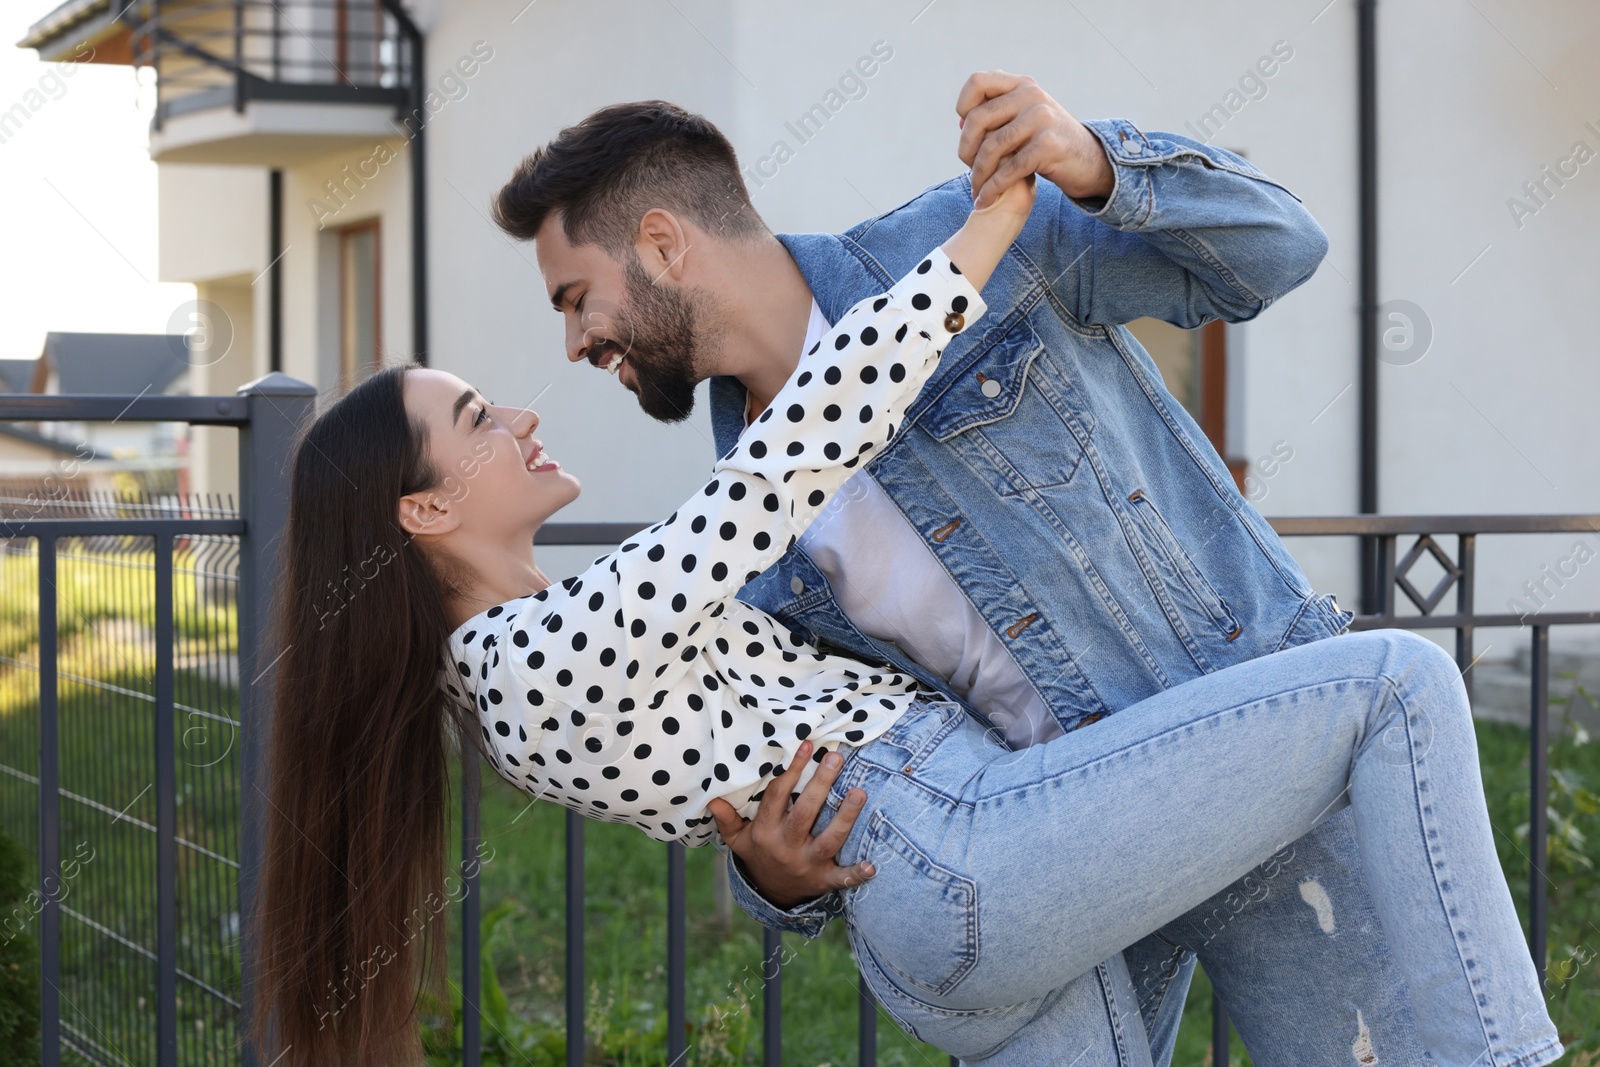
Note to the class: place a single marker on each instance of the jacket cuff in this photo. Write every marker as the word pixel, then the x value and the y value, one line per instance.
pixel 1131 155
pixel 806 919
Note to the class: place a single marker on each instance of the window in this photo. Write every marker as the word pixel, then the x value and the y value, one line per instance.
pixel 1194 366
pixel 359 334
pixel 358 39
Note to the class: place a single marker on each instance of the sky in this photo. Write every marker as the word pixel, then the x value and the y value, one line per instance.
pixel 77 198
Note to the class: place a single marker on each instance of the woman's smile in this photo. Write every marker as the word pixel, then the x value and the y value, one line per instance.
pixel 538 462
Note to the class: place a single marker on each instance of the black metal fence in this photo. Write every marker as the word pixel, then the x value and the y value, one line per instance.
pixel 105 645
pixel 135 949
pixel 202 579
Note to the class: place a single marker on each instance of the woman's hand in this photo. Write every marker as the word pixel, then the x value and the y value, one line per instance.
pixel 977 247
pixel 1012 208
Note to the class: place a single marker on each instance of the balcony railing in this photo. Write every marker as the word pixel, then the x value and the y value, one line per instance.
pixel 226 53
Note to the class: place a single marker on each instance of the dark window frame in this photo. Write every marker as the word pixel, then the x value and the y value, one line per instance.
pixel 349 375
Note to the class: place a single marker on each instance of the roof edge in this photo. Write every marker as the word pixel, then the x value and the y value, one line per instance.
pixel 71 24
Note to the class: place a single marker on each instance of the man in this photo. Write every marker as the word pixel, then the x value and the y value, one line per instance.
pixel 1051 538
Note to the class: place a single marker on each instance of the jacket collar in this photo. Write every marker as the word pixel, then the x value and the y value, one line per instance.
pixel 839 273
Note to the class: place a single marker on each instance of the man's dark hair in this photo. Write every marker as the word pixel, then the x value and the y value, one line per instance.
pixel 603 174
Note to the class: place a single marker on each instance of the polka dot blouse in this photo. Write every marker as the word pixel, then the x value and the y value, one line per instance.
pixel 640 689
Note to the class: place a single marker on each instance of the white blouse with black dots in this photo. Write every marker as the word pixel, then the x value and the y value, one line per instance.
pixel 640 689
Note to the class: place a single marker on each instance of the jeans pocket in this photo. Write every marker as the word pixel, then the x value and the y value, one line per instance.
pixel 893 1002
pixel 919 917
pixel 966 1033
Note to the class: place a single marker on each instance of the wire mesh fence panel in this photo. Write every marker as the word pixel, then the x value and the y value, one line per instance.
pixel 104 646
pixel 19 709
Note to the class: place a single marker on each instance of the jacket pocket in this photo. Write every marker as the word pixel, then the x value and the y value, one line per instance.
pixel 1013 414
pixel 919 918
pixel 1176 567
pixel 1320 616
pixel 986 388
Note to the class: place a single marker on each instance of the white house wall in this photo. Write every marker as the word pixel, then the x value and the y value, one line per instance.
pixel 213 221
pixel 371 182
pixel 1496 417
pixel 214 450
pixel 213 234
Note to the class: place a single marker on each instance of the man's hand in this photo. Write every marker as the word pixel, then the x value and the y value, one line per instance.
pixel 1011 128
pixel 786 863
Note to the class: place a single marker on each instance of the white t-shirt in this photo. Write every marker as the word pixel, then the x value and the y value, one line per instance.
pixel 889 582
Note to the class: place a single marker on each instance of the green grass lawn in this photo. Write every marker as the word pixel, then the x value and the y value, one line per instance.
pixel 1573 976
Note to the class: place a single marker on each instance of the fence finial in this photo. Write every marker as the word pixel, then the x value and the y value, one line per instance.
pixel 276 384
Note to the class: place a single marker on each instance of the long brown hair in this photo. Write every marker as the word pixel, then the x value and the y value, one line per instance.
pixel 361 736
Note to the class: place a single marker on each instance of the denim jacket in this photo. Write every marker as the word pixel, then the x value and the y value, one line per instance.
pixel 1075 502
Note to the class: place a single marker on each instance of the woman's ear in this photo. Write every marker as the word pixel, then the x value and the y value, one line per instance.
pixel 426 514
pixel 661 244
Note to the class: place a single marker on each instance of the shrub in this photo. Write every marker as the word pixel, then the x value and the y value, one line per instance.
pixel 19 964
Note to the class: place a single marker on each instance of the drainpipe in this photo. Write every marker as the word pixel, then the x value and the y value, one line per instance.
pixel 275 271
pixel 419 184
pixel 1372 596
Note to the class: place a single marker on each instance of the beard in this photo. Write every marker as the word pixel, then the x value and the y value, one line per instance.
pixel 665 346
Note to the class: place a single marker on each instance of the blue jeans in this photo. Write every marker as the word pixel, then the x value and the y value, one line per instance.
pixel 1003 875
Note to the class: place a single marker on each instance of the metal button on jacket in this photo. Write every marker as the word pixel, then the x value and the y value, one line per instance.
pixel 797 586
pixel 990 388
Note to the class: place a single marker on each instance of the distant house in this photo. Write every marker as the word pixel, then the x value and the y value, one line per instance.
pixel 24 451
pixel 121 364
pixel 117 364
pixel 49 459
pixel 28 453
pixel 16 375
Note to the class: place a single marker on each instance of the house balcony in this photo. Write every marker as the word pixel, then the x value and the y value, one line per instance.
pixel 254 82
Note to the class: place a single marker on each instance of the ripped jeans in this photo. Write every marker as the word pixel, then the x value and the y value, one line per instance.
pixel 1002 875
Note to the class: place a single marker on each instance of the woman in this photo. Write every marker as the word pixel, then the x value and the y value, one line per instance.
pixel 641 689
